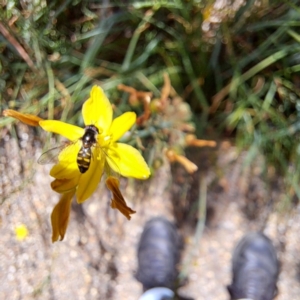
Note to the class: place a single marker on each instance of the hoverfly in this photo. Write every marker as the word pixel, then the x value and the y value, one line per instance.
pixel 85 153
pixel 89 140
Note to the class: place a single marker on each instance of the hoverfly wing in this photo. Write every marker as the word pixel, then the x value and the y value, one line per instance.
pixel 111 166
pixel 51 155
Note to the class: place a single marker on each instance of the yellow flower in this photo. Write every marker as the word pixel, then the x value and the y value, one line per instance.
pixel 79 176
pixel 21 232
pixel 92 150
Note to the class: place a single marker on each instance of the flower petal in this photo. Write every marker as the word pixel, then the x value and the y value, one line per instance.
pixel 185 162
pixel 127 161
pixel 61 171
pixel 69 131
pixel 121 124
pixel 89 180
pixel 60 216
pixel 97 110
pixel 191 140
pixel 64 185
pixel 28 119
pixel 118 201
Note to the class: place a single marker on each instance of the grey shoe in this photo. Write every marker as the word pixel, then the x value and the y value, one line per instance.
pixel 255 269
pixel 158 254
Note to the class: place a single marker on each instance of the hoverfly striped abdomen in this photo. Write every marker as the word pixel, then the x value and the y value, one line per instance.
pixel 84 159
pixel 85 153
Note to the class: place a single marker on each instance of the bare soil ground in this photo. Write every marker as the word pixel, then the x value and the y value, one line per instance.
pixel 97 259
